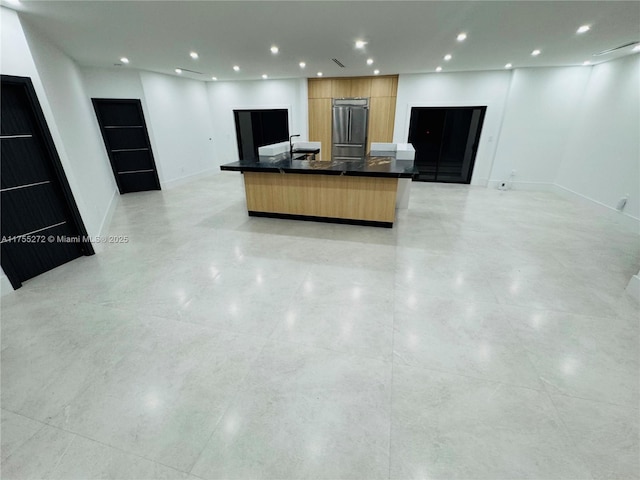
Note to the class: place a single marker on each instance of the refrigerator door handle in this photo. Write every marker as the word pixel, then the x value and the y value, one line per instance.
pixel 349 126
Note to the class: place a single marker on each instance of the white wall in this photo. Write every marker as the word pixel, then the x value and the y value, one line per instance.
pixel 177 114
pixel 602 158
pixel 181 123
pixel 224 97
pixel 451 90
pixel 74 116
pixel 541 107
pixel 16 58
pixel 114 82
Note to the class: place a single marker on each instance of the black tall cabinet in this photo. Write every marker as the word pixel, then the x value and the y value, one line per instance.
pixel 446 141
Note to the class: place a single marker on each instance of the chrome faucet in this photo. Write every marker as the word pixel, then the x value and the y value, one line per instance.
pixel 291 145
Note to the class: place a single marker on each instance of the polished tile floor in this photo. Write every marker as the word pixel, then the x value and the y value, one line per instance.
pixel 486 336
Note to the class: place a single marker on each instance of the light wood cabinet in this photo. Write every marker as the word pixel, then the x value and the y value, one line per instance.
pixel 340 87
pixel 320 125
pixel 382 92
pixel 384 86
pixel 319 88
pixel 382 113
pixel 360 87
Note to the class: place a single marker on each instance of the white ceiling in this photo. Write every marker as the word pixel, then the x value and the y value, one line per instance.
pixel 403 37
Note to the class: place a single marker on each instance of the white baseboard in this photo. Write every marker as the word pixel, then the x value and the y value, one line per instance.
pixel 625 220
pixel 633 288
pixel 5 285
pixel 527 186
pixel 482 182
pixel 176 182
pixel 106 220
pixel 628 222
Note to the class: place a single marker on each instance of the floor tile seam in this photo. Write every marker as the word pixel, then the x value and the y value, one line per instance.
pixel 55 467
pixel 231 401
pixel 569 436
pixel 328 349
pixel 393 346
pixel 563 312
pixel 115 447
pixel 179 321
pixel 629 406
pixel 555 310
pixel 524 349
pixel 546 381
pixel 23 443
pixel 289 304
pixel 472 377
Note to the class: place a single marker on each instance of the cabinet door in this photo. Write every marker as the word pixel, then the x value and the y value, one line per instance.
pixel 341 87
pixel 384 86
pixel 381 118
pixel 319 88
pixel 320 125
pixel 360 87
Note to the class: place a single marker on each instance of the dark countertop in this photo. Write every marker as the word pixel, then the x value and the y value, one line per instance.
pixel 378 164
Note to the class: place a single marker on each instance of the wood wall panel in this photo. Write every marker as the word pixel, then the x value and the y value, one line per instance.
pixel 320 125
pixel 333 196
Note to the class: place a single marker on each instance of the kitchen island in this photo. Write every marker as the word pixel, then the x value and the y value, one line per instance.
pixel 361 192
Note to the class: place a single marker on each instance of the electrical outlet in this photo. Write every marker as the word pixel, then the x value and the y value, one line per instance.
pixel 513 173
pixel 622 203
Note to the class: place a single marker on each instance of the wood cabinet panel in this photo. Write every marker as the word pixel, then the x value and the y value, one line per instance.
pixel 319 88
pixel 384 86
pixel 360 87
pixel 333 196
pixel 340 87
pixel 381 117
pixel 320 125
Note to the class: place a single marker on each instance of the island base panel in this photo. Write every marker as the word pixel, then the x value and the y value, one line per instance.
pixel 309 218
pixel 368 199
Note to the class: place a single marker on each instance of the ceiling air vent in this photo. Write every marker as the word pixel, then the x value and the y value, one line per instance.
pixel 604 52
pixel 338 62
pixel 190 71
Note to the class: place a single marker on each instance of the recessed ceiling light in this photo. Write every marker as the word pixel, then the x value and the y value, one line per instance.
pixel 376 72
pixel 319 74
pixel 236 68
pixel 124 60
pixel 369 61
pixel 535 53
pixel 508 65
pixel 178 70
pixel 447 57
pixel 194 55
pixel 461 37
pixel 583 29
pixel 360 43
pixel 214 78
pixel 264 75
pixel 636 48
pixel 302 64
pixel 438 69
pixel 274 49
pixel 586 62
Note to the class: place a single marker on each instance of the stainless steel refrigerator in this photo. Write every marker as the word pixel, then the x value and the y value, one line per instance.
pixel 350 121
